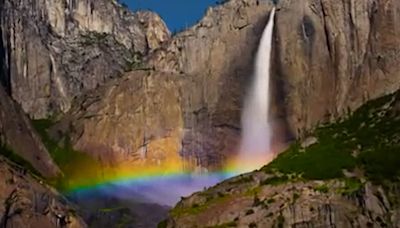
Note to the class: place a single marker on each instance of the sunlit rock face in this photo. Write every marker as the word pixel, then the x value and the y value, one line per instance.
pixel 210 75
pixel 328 57
pixel 140 119
pixel 52 51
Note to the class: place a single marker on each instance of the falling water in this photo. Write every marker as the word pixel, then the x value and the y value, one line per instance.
pixel 256 133
pixel 254 151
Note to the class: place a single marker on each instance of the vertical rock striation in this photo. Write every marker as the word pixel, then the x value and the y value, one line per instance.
pixel 329 58
pixel 332 56
pixel 53 51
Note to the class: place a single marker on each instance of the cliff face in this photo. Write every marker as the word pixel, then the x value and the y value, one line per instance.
pixel 329 57
pixel 53 51
pixel 17 134
pixel 332 56
pixel 24 202
pixel 140 118
pixel 208 74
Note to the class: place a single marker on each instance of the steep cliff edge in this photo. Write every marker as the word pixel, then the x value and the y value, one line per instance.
pixel 52 51
pixel 329 58
pixel 347 177
pixel 17 134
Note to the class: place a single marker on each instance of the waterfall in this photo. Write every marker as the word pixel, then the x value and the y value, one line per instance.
pixel 256 132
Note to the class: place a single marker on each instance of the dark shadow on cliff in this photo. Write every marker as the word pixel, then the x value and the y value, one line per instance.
pixel 4 57
pixel 282 132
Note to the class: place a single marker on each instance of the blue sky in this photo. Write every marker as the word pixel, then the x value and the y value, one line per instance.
pixel 177 14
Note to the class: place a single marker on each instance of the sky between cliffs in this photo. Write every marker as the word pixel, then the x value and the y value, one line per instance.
pixel 178 14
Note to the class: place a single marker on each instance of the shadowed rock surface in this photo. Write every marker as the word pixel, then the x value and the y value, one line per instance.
pixel 18 135
pixel 105 211
pixel 27 202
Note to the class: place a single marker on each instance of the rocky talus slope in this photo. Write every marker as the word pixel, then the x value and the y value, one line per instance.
pixel 53 50
pixel 347 176
pixel 329 58
pixel 27 202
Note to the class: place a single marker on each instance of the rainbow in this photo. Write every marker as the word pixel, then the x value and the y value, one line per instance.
pixel 88 178
pixel 164 183
pixel 140 179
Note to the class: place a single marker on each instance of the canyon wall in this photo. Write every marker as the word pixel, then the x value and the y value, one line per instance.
pixel 209 72
pixel 329 58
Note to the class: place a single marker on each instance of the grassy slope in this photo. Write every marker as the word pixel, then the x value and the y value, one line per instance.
pixel 368 140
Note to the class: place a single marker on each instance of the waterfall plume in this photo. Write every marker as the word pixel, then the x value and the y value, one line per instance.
pixel 256 132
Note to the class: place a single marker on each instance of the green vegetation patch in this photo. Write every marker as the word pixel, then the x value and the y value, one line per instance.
pixel 352 186
pixel 163 224
pixel 63 154
pixel 368 139
pixel 91 38
pixel 276 180
pixel 198 208
pixel 323 188
pixel 65 157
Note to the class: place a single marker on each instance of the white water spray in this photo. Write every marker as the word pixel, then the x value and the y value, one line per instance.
pixel 256 133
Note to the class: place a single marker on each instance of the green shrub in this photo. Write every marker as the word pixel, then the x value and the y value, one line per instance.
pixel 65 156
pixel 368 139
pixel 163 224
pixel 322 188
pixel 277 180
